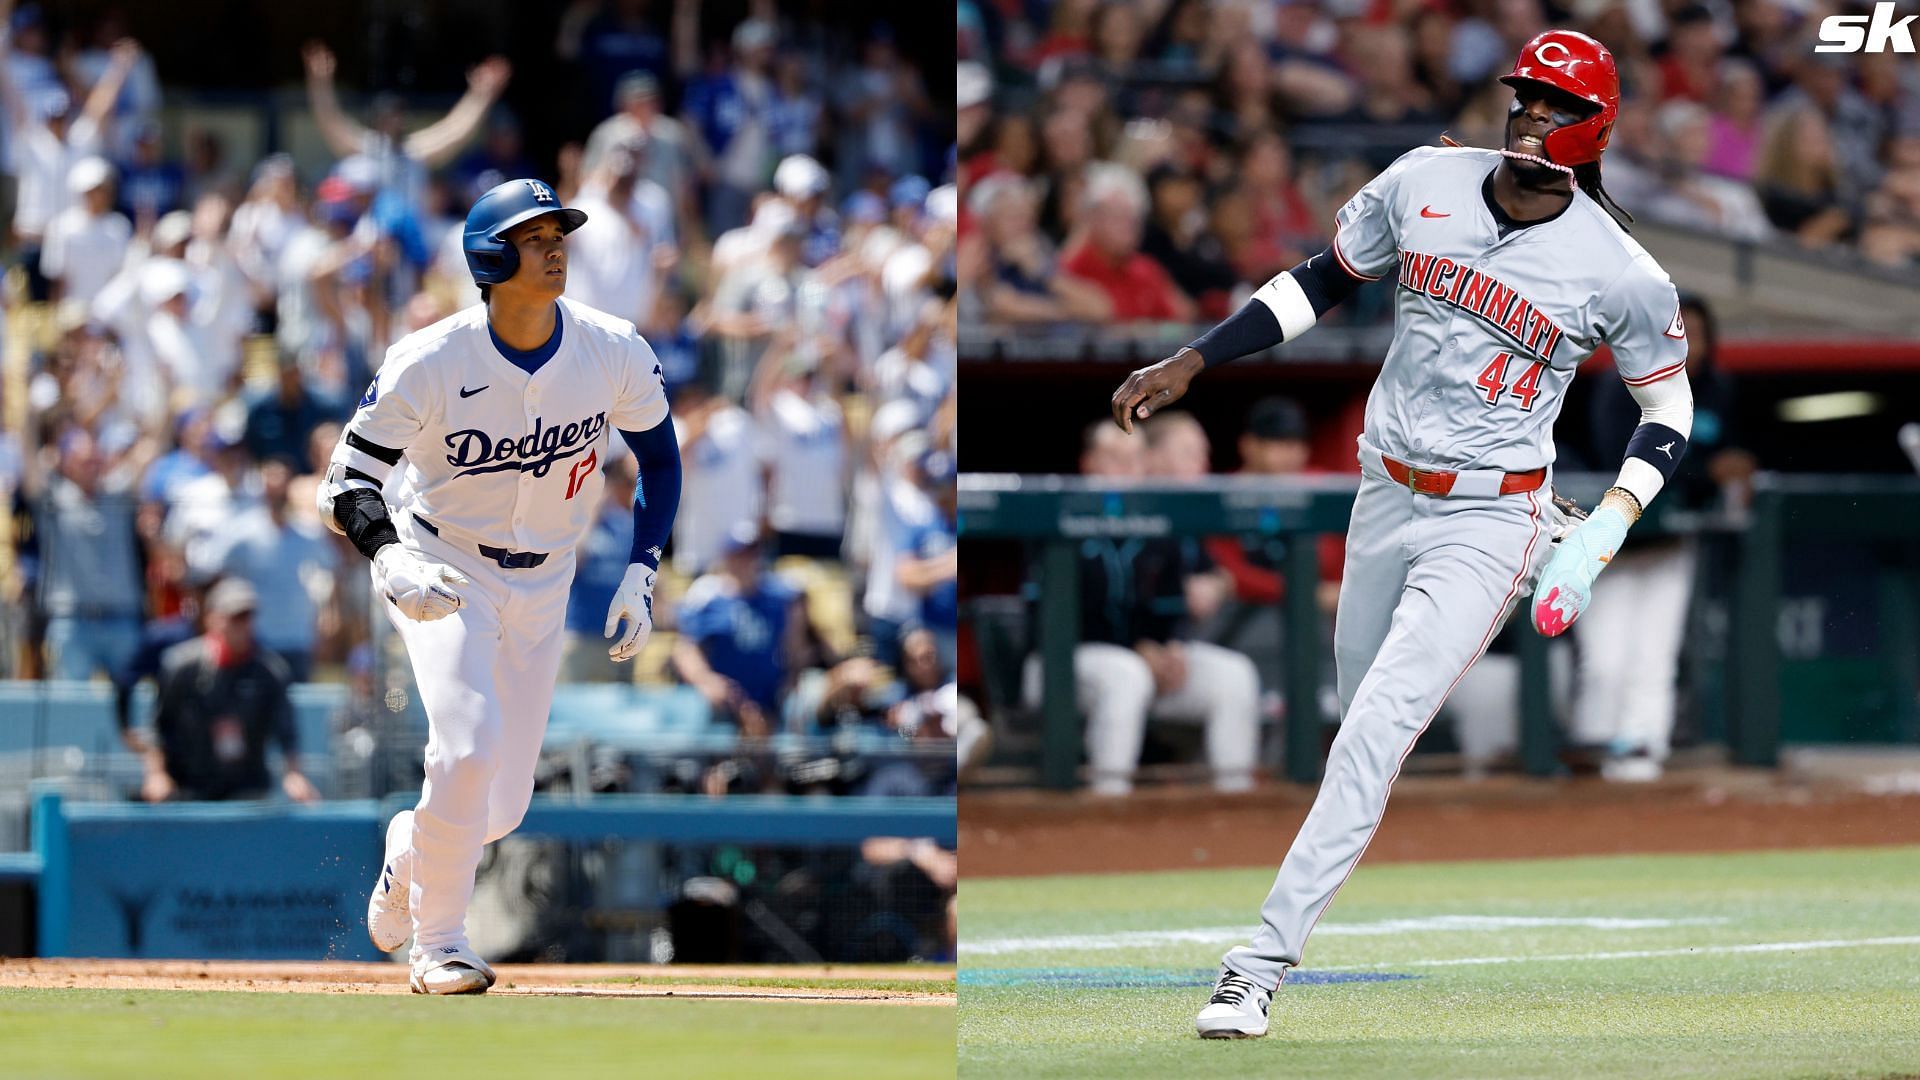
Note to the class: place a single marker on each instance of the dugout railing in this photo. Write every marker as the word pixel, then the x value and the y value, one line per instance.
pixel 1051 514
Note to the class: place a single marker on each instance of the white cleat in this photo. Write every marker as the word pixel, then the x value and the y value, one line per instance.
pixel 389 919
pixel 1237 1010
pixel 451 969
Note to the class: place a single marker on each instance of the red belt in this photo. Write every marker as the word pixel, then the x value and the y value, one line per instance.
pixel 1440 481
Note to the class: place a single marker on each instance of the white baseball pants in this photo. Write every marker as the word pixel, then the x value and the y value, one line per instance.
pixel 1114 690
pixel 1428 583
pixel 485 675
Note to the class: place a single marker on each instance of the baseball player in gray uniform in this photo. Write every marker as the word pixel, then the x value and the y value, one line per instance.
pixel 1512 270
pixel 502 413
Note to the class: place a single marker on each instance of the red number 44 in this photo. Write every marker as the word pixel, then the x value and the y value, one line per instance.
pixel 1494 381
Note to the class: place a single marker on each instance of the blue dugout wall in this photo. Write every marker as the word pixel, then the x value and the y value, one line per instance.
pixel 272 881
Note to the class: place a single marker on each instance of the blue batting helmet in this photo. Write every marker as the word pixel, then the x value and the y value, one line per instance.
pixel 491 259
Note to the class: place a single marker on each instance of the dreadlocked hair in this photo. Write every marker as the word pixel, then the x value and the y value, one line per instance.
pixel 1588 177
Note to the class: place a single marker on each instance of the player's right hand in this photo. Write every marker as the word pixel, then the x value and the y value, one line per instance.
pixel 1151 389
pixel 422 590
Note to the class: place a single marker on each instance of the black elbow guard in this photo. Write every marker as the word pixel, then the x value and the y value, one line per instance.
pixel 362 515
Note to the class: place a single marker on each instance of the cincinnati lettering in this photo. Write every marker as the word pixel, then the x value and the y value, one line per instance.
pixel 474 451
pixel 1494 302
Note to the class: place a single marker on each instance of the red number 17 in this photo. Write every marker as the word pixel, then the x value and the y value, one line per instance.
pixel 577 476
pixel 1493 380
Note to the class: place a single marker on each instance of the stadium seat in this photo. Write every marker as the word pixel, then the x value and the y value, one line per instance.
pixel 629 717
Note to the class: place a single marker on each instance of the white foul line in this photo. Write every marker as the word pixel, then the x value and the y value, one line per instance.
pixel 1643 954
pixel 1220 935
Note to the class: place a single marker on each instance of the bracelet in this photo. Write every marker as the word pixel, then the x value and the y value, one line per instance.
pixel 1632 499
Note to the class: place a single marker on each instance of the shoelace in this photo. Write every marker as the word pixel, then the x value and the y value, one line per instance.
pixel 1232 989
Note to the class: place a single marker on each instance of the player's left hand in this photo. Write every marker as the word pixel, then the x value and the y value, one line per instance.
pixel 1151 389
pixel 1566 585
pixel 634 603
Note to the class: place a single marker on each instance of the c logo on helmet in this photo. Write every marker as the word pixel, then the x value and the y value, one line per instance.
pixel 1567 59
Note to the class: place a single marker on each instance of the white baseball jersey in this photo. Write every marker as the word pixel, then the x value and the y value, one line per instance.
pixel 496 458
pixel 1489 329
pixel 495 455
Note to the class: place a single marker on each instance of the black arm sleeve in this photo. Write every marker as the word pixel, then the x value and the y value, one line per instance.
pixel 1254 329
pixel 1325 282
pixel 1659 446
pixel 362 515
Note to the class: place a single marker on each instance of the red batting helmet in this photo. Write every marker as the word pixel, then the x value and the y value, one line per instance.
pixel 1576 64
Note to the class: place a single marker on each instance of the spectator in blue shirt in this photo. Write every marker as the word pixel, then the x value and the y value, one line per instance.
pixel 291 559
pixel 674 343
pixel 90 584
pixel 734 111
pixel 279 422
pixel 920 533
pixel 932 546
pixel 805 184
pixel 744 634
pixel 503 153
pixel 190 458
pixel 150 185
pixel 601 562
pixel 613 43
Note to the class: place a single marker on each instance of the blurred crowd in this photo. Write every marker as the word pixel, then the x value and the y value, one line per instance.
pixel 1153 159
pixel 771 204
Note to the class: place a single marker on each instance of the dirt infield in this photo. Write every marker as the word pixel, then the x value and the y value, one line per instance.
pixel 1026 833
pixel 817 984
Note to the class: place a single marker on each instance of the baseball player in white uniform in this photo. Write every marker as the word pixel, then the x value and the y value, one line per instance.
pixel 1512 270
pixel 503 414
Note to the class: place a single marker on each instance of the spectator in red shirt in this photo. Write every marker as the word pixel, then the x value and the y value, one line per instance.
pixel 1105 250
pixel 1275 443
pixel 1071 33
pixel 1285 228
pixel 1688 69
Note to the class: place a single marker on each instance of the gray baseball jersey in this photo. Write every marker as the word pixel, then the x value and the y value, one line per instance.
pixel 1489 330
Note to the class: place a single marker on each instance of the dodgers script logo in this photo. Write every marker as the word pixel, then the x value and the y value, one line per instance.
pixel 474 451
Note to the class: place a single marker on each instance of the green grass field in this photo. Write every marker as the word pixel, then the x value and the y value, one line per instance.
pixel 204 1035
pixel 1777 964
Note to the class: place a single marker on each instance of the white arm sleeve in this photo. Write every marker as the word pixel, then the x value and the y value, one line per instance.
pixel 1668 402
pixel 1289 304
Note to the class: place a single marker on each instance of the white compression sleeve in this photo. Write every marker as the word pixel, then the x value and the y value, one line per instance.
pixel 1289 304
pixel 1668 403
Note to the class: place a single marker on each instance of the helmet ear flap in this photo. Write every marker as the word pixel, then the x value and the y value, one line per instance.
pixel 507 263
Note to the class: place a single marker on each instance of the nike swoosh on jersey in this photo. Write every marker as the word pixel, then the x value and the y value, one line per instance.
pixel 466 393
pixel 1427 211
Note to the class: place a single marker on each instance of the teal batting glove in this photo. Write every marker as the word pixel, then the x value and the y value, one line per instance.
pixel 1566 585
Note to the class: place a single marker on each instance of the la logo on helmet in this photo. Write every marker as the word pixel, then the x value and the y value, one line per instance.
pixel 1566 62
pixel 541 192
